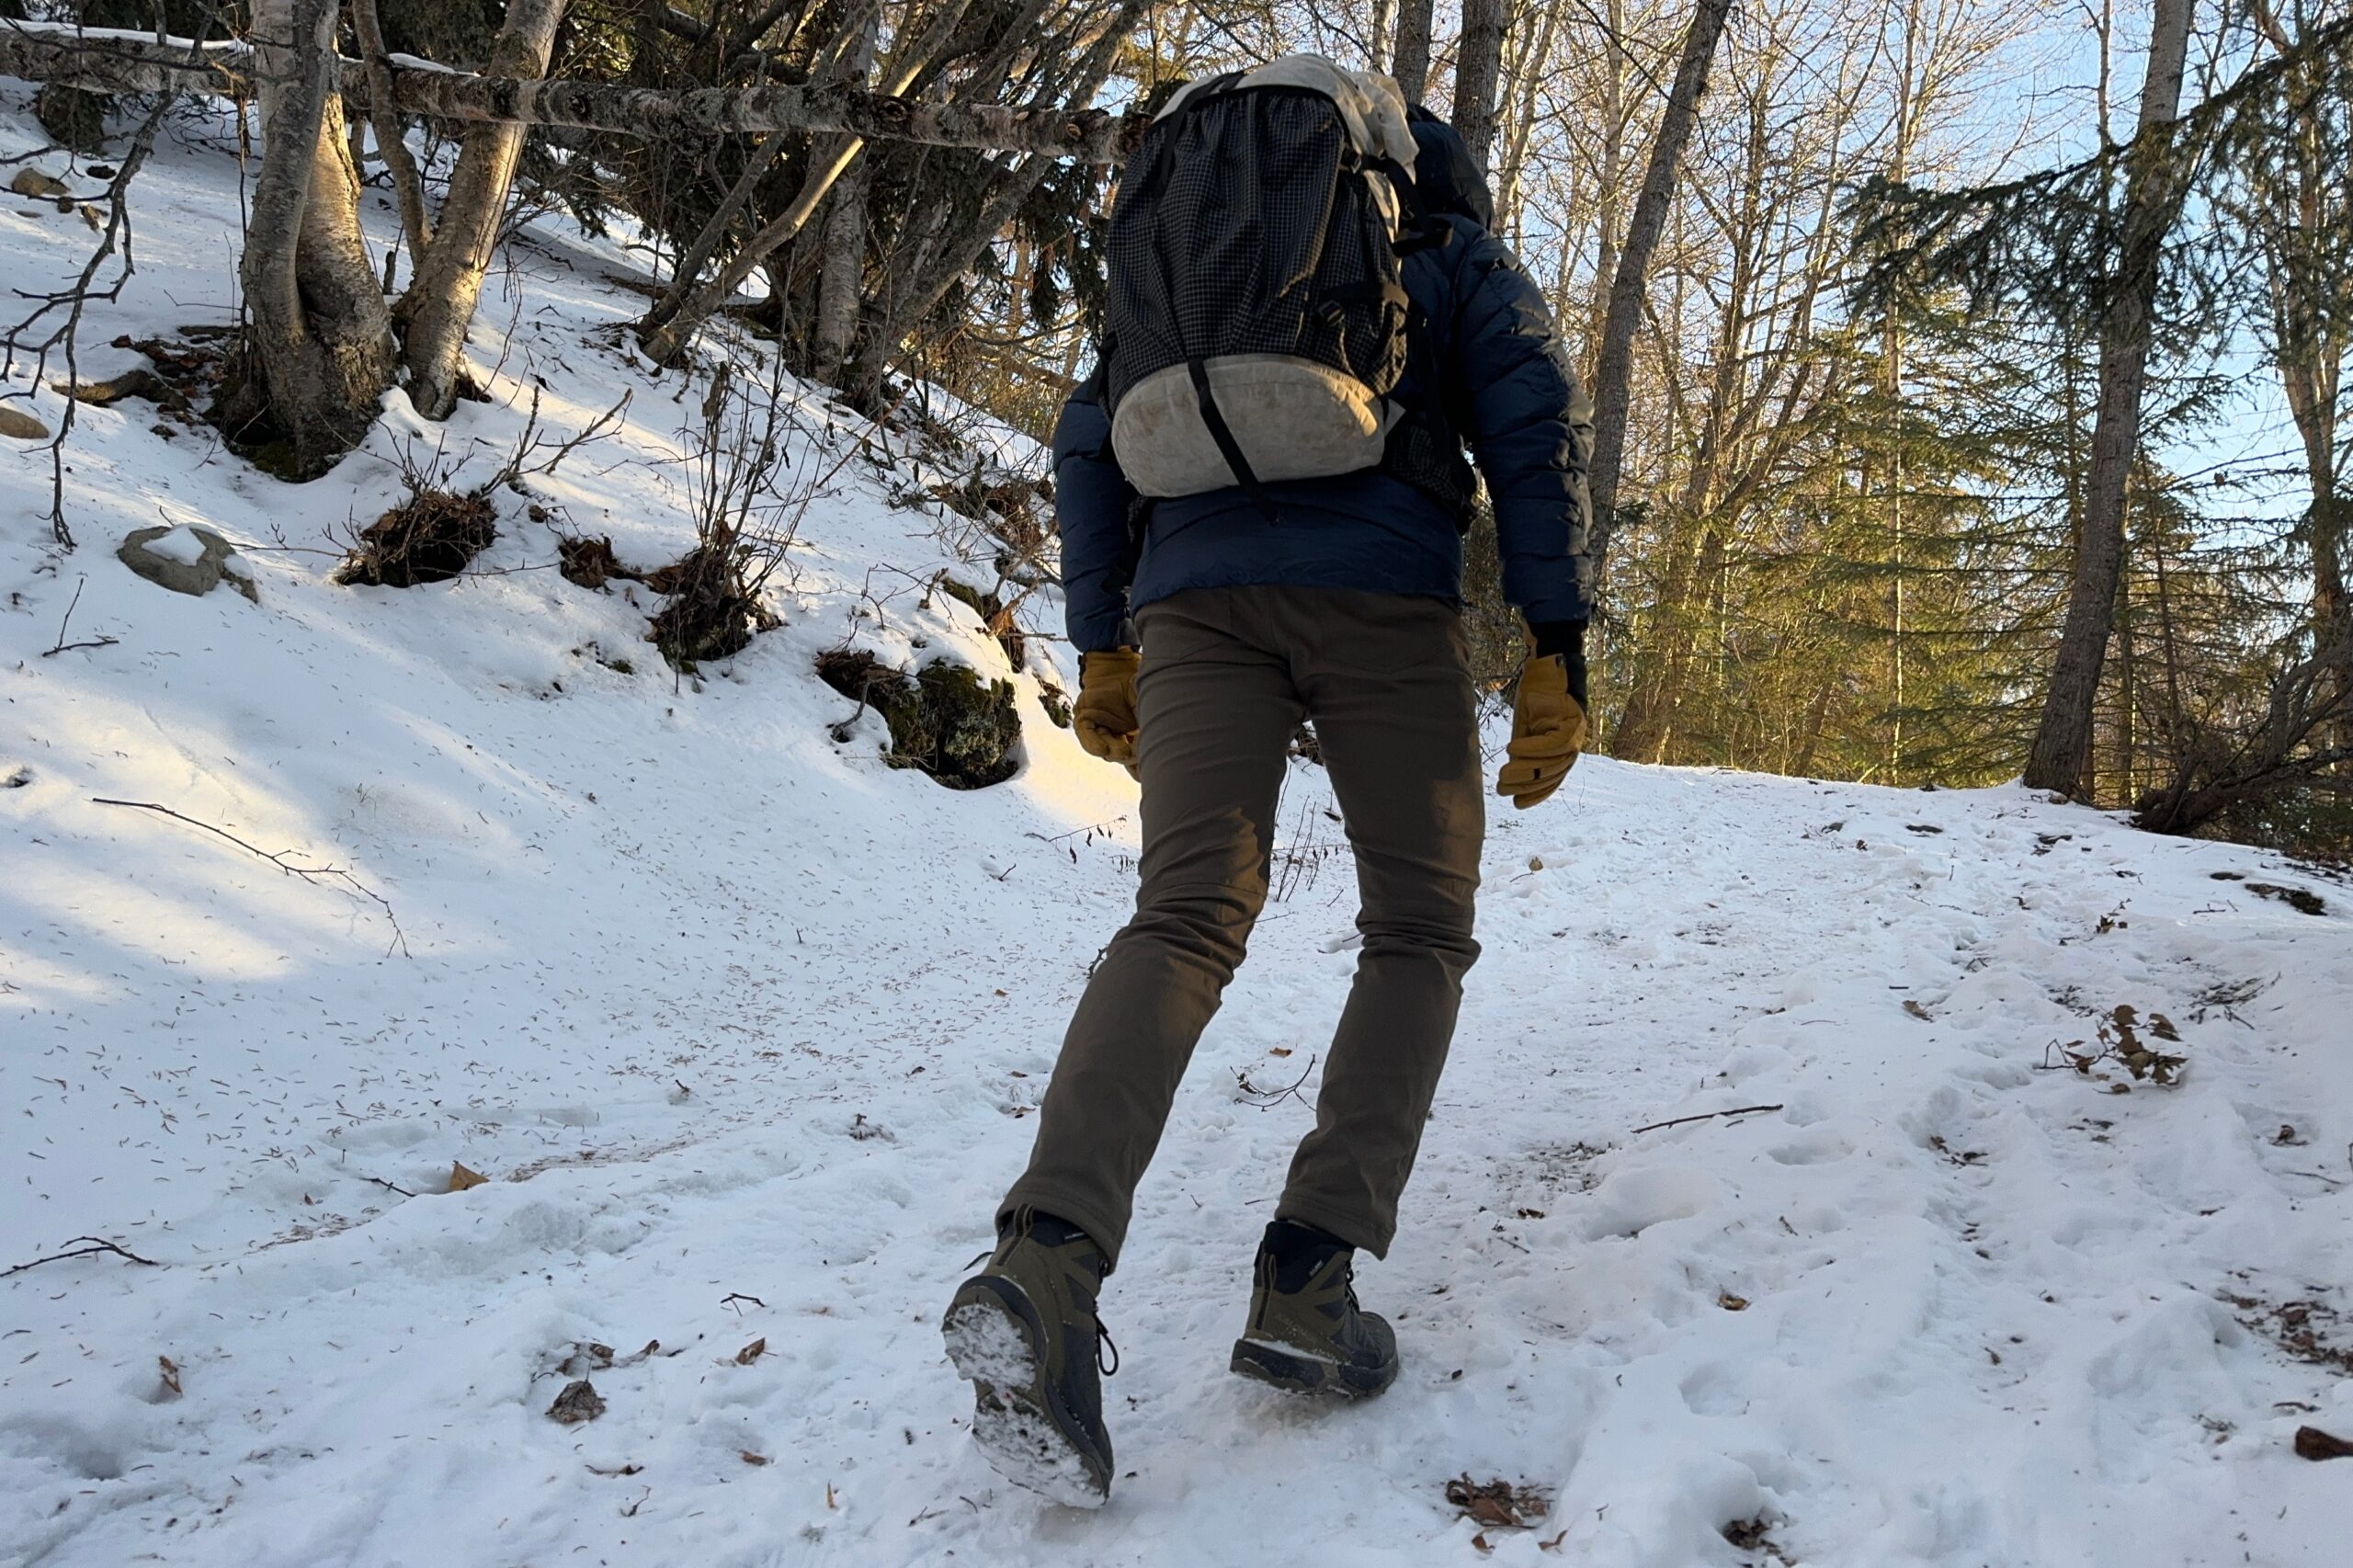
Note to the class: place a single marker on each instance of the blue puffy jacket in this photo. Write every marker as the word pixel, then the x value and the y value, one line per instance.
pixel 1503 382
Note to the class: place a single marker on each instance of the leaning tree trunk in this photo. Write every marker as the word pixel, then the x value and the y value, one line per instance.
pixel 392 144
pixel 1478 70
pixel 318 347
pixel 665 332
pixel 897 317
pixel 666 340
pixel 439 305
pixel 834 63
pixel 1410 62
pixel 2152 195
pixel 1613 364
pixel 116 63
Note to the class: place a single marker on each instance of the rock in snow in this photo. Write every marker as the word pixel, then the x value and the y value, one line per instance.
pixel 187 560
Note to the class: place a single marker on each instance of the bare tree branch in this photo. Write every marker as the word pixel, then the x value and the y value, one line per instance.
pixel 65 337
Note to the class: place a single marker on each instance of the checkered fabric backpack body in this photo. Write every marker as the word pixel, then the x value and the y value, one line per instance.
pixel 1257 318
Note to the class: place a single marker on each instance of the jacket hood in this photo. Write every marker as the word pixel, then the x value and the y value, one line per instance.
pixel 1444 177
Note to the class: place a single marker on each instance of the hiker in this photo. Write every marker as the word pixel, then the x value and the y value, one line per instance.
pixel 1261 496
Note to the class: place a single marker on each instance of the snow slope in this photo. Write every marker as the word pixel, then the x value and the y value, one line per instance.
pixel 745 1027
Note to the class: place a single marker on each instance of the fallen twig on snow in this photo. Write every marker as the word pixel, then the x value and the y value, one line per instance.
pixel 308 873
pixel 1703 1115
pixel 63 645
pixel 1267 1100
pixel 97 1248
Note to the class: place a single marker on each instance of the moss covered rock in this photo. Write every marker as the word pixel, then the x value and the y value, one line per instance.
pixel 947 719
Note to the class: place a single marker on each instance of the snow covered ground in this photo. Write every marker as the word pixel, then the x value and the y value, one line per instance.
pixel 744 1026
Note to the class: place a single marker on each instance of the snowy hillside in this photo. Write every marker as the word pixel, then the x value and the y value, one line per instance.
pixel 743 1026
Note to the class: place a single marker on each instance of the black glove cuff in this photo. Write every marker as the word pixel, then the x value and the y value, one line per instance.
pixel 1565 638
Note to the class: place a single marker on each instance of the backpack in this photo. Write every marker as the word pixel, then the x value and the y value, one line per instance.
pixel 1257 317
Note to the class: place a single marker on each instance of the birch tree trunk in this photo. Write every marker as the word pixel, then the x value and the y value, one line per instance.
pixel 439 305
pixel 1613 363
pixel 2062 742
pixel 841 262
pixel 392 145
pixel 318 348
pixel 841 279
pixel 1478 69
pixel 116 63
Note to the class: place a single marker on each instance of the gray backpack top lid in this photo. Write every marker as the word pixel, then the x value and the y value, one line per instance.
pixel 1257 317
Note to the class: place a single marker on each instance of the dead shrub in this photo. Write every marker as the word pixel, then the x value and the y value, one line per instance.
pixel 2273 767
pixel 713 611
pixel 591 563
pixel 435 534
pixel 1498 1503
pixel 749 487
pixel 429 537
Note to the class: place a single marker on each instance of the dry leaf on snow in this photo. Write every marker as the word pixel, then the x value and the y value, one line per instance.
pixel 579 1402
pixel 2312 1443
pixel 1496 1502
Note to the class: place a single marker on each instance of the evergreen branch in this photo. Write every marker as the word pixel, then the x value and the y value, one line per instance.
pixel 2052 239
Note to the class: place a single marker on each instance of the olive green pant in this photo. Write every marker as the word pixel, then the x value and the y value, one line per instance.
pixel 1228 673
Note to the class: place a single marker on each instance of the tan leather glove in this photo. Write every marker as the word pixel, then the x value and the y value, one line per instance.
pixel 1547 730
pixel 1104 717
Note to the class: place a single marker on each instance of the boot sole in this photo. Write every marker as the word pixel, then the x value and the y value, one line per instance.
pixel 1293 1372
pixel 997 1341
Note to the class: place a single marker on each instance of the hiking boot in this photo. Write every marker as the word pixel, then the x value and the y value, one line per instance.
pixel 1307 1334
pixel 1024 1333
